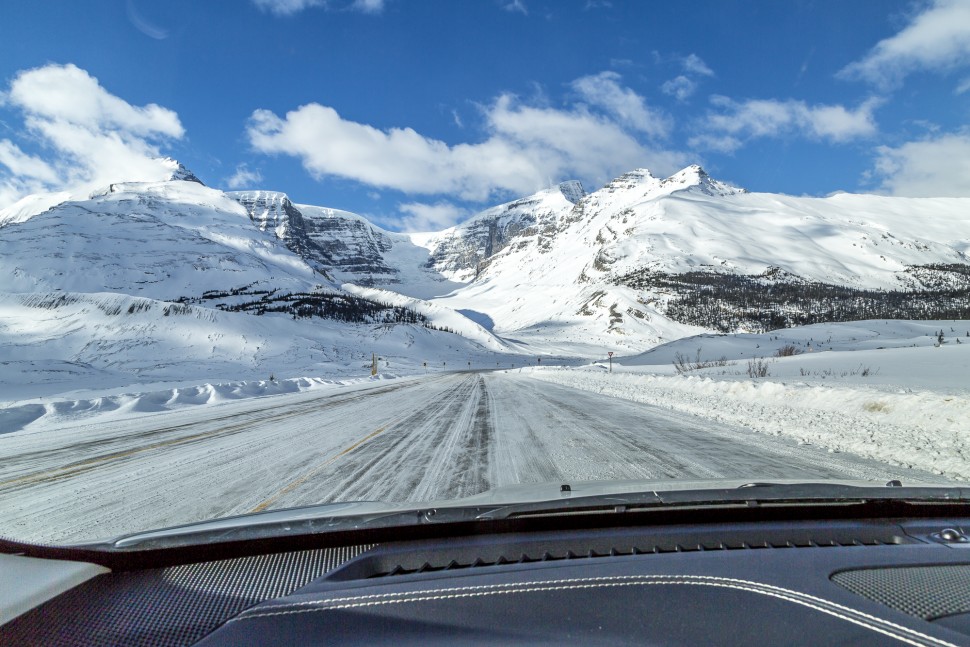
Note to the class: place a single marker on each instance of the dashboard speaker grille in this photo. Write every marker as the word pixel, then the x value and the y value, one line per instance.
pixel 168 606
pixel 926 592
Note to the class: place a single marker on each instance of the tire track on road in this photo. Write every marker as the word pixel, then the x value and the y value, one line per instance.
pixel 398 453
pixel 81 466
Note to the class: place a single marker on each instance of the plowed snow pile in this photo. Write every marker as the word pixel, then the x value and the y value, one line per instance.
pixel 906 405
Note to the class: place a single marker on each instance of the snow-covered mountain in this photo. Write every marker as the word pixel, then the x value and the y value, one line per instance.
pixel 464 251
pixel 638 262
pixel 615 269
pixel 161 240
pixel 172 280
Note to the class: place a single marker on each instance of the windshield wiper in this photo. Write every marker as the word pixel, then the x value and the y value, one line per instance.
pixel 367 515
pixel 749 494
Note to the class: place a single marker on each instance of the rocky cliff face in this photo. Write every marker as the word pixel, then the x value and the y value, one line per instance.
pixel 351 245
pixel 272 211
pixel 340 244
pixel 463 252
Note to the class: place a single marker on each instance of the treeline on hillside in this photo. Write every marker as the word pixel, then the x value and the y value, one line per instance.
pixel 324 305
pixel 730 302
pixel 342 307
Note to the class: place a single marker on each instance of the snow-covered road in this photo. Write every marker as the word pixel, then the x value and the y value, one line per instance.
pixel 436 437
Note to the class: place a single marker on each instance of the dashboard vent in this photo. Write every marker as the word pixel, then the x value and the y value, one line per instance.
pixel 499 550
pixel 552 556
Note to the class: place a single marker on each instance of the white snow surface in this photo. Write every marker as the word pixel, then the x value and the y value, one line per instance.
pixel 879 389
pixel 158 240
pixel 439 315
pixel 436 437
pixel 59 342
pixel 557 286
pixel 118 404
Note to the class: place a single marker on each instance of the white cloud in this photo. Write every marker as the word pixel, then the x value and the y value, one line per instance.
pixel 679 87
pixel 66 93
pixel 732 123
pixel 25 166
pixel 936 39
pixel 291 7
pixel 525 147
pixel 935 167
pixel 693 64
pixel 516 6
pixel 603 90
pixel 368 6
pixel 93 136
pixel 429 217
pixel 244 178
pixel 963 86
pixel 287 7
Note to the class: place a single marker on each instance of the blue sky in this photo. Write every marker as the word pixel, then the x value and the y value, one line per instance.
pixel 417 114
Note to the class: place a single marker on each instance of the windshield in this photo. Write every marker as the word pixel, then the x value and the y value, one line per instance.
pixel 290 253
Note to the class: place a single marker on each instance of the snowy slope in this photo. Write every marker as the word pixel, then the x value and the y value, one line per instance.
pixel 165 169
pixel 463 251
pixel 160 240
pixel 547 274
pixel 442 316
pixel 363 253
pixel 66 341
pixel 130 285
pixel 564 285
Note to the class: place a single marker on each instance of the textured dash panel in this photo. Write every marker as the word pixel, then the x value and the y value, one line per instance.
pixel 923 591
pixel 167 607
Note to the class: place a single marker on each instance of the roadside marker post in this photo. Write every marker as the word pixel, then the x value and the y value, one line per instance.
pixel 610 354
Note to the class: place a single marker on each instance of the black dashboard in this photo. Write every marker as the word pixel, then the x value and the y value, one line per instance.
pixel 787 582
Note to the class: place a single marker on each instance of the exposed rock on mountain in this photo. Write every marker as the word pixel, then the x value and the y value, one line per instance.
pixel 635 263
pixel 463 252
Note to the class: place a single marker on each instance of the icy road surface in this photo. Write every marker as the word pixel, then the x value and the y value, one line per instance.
pixel 439 437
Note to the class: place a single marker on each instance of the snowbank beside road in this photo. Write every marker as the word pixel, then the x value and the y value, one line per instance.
pixel 923 430
pixel 46 413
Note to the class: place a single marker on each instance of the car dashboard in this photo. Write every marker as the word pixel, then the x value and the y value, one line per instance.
pixel 785 582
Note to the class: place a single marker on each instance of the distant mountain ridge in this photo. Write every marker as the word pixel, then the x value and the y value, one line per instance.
pixel 637 262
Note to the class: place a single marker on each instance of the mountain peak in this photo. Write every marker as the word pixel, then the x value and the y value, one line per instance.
pixel 572 190
pixel 178 171
pixel 696 178
pixel 636 177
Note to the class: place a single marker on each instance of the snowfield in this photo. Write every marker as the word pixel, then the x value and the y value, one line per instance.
pixel 880 389
pixel 63 412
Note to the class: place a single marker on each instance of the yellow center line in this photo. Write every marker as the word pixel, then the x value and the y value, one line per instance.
pixel 82 465
pixel 303 479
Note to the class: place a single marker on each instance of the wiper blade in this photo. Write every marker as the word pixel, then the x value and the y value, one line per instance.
pixel 576 505
pixel 366 515
pixel 754 493
pixel 309 520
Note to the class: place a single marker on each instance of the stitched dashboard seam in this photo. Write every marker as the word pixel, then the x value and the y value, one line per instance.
pixel 853 616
